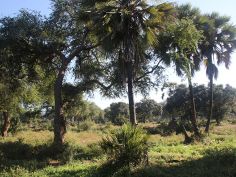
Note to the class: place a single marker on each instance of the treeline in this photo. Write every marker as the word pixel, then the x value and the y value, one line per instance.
pixel 147 110
pixel 176 107
pixel 118 47
pixel 178 103
pixel 81 110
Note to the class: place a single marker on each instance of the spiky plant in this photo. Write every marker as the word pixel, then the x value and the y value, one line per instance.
pixel 126 146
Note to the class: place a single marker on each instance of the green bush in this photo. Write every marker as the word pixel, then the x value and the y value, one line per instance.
pixel 68 152
pixel 16 151
pixel 15 125
pixel 124 172
pixel 64 153
pixel 126 146
pixel 15 171
pixel 88 153
pixel 40 125
pixel 85 125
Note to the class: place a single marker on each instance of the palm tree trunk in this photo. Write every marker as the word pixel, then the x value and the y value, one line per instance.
pixel 211 73
pixel 209 117
pixel 6 123
pixel 193 117
pixel 59 120
pixel 187 139
pixel 132 112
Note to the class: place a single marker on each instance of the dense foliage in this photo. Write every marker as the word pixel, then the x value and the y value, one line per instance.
pixel 117 47
pixel 148 110
pixel 117 113
pixel 126 146
pixel 178 105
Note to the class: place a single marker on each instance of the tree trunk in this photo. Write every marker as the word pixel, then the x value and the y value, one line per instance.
pixel 209 117
pixel 132 112
pixel 193 117
pixel 187 138
pixel 6 123
pixel 217 121
pixel 59 120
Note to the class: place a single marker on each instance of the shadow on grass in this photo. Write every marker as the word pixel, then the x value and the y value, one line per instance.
pixel 166 128
pixel 13 154
pixel 215 163
pixel 32 158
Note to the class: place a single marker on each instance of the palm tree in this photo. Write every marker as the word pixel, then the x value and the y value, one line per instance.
pixel 129 28
pixel 217 46
pixel 187 11
pixel 188 68
pixel 179 45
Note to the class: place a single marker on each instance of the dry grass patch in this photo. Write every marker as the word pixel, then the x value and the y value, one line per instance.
pixel 83 138
pixel 225 129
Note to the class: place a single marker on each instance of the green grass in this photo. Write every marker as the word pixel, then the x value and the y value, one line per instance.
pixel 214 156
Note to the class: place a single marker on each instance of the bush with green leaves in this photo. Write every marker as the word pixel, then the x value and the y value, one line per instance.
pixel 85 125
pixel 117 113
pixel 126 146
pixel 15 125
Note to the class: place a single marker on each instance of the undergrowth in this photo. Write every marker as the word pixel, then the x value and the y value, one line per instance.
pixel 31 154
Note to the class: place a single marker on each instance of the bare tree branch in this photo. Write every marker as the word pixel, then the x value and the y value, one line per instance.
pixel 149 72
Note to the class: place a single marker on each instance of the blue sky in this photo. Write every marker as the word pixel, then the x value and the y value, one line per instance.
pixel 226 7
pixel 12 7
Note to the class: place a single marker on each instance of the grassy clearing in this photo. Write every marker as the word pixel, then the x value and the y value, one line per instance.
pixel 214 156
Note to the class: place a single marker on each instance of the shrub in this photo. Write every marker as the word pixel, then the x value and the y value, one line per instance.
pixel 88 153
pixel 124 172
pixel 85 125
pixel 15 171
pixel 68 152
pixel 16 151
pixel 64 153
pixel 126 146
pixel 15 125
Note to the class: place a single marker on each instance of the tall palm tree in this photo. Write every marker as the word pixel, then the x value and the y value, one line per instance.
pixel 179 45
pixel 129 28
pixel 218 45
pixel 183 12
pixel 187 68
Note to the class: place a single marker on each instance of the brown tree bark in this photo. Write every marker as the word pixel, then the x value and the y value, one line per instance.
pixel 6 123
pixel 187 138
pixel 217 121
pixel 132 111
pixel 59 120
pixel 193 117
pixel 209 117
